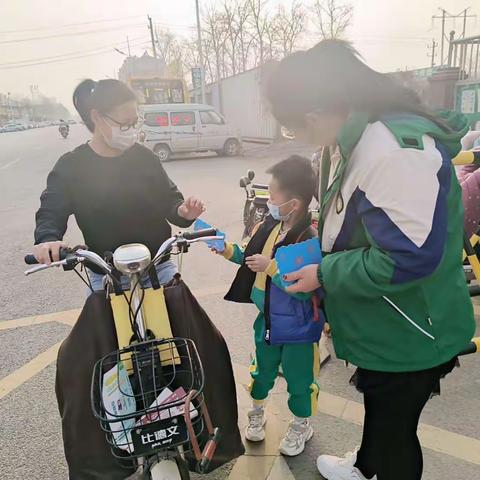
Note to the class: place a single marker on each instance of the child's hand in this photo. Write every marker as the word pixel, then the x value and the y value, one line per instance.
pixel 257 263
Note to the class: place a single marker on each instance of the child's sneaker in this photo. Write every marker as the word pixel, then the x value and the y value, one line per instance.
pixel 335 468
pixel 298 434
pixel 255 431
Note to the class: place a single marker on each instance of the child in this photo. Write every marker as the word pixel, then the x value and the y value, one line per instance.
pixel 288 327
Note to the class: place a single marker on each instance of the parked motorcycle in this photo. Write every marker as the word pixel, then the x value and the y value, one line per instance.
pixel 255 207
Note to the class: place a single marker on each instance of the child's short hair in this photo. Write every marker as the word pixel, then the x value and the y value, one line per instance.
pixel 296 176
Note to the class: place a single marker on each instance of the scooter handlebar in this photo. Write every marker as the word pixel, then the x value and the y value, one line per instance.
pixel 31 260
pixel 207 232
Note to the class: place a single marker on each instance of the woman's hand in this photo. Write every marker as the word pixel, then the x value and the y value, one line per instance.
pixel 191 208
pixel 306 279
pixel 257 263
pixel 48 251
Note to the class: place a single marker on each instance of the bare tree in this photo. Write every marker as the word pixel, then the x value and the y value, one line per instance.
pixel 245 39
pixel 232 33
pixel 170 50
pixel 237 35
pixel 288 26
pixel 190 54
pixel 215 34
pixel 332 18
pixel 165 44
pixel 259 23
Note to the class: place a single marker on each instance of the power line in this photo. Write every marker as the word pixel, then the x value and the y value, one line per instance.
pixel 59 60
pixel 78 52
pixel 54 27
pixel 71 34
pixel 68 25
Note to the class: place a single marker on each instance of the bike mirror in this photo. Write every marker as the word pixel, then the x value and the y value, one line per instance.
pixel 244 182
pixel 251 175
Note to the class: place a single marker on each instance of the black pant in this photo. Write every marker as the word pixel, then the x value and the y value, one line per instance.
pixel 393 403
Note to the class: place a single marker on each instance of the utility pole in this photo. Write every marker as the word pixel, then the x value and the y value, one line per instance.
pixel 9 102
pixel 448 16
pixel 432 55
pixel 154 48
pixel 443 17
pixel 128 46
pixel 200 51
pixel 33 91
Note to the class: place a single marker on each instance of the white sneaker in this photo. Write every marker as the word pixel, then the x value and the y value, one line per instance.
pixel 255 431
pixel 298 434
pixel 335 468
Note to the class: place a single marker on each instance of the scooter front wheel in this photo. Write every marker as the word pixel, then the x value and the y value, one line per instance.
pixel 169 469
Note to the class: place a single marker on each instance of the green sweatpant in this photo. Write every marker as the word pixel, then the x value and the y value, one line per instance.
pixel 300 363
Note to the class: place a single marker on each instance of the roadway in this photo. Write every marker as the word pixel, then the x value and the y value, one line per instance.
pixel 31 444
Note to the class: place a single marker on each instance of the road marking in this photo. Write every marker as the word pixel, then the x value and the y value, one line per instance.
pixel 29 370
pixel 9 164
pixel 62 317
pixel 437 439
pixel 281 470
pixel 69 317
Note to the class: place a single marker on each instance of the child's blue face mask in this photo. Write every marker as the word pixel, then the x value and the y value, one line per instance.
pixel 275 211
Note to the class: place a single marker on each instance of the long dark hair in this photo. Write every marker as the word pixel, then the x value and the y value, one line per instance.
pixel 103 96
pixel 332 77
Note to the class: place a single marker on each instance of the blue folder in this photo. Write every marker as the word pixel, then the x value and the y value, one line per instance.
pixel 293 257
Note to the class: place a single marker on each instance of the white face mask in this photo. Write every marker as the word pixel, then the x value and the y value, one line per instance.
pixel 275 211
pixel 121 140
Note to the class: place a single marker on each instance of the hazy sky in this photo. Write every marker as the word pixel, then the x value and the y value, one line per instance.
pixel 390 34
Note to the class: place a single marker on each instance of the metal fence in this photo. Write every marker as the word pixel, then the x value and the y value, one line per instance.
pixel 464 54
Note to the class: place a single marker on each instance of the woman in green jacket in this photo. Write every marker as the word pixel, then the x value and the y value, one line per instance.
pixel 391 229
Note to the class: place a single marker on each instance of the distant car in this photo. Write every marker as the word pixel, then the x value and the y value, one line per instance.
pixel 183 128
pixel 13 127
pixel 71 122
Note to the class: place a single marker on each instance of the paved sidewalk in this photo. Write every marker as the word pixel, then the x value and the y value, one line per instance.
pixel 336 425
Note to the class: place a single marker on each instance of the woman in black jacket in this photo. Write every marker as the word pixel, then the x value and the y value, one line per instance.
pixel 116 188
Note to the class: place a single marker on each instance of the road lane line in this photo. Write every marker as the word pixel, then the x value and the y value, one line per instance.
pixel 69 317
pixel 29 370
pixel 9 164
pixel 66 316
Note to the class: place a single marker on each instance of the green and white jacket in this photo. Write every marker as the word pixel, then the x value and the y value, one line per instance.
pixel 391 228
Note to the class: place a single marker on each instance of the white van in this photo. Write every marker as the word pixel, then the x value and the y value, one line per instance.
pixel 187 127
